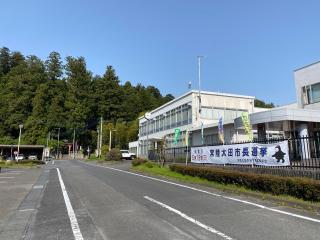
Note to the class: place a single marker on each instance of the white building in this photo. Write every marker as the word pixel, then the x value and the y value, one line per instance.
pixel 300 119
pixel 295 120
pixel 183 113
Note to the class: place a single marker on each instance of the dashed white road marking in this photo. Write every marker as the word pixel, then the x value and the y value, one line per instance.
pixel 25 210
pixel 52 162
pixel 213 194
pixel 73 219
pixel 38 187
pixel 190 219
pixel 7 177
pixel 11 173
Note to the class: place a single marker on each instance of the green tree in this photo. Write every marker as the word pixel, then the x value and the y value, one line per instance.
pixel 4 60
pixel 78 87
pixel 262 104
pixel 108 95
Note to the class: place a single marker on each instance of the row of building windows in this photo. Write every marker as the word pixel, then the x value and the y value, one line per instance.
pixel 212 113
pixel 170 143
pixel 177 117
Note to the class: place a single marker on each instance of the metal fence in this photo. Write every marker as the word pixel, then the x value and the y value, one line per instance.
pixel 304 153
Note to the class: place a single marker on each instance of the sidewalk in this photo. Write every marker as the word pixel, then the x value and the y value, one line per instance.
pixel 14 186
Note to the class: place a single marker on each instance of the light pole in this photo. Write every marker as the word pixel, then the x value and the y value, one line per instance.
pixel 58 149
pixel 199 80
pixel 20 128
pixel 110 138
pixel 147 116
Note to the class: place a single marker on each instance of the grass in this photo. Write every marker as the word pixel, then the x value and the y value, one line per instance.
pixel 19 165
pixel 285 200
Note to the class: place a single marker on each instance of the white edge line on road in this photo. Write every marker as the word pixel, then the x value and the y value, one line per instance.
pixel 73 219
pixel 214 194
pixel 190 219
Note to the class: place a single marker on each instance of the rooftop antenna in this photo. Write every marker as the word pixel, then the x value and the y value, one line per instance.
pixel 189 85
pixel 199 79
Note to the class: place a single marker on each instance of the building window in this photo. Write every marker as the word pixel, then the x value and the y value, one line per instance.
pixel 311 94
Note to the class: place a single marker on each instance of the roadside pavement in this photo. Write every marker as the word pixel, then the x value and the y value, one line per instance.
pixel 15 184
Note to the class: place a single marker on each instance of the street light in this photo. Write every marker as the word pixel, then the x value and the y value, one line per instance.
pixel 110 138
pixel 147 116
pixel 20 127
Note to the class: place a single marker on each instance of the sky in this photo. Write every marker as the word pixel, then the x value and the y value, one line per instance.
pixel 250 47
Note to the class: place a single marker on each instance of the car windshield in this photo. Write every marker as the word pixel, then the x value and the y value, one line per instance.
pixel 124 151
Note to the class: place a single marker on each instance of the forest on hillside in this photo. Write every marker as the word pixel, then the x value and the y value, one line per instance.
pixel 55 93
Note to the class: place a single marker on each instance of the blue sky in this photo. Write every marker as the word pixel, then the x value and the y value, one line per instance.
pixel 251 47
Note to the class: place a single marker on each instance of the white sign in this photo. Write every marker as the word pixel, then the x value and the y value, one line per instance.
pixel 275 154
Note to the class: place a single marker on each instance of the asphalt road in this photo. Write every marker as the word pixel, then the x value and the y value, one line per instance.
pixel 80 201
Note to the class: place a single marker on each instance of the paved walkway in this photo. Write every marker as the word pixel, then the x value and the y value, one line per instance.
pixel 15 184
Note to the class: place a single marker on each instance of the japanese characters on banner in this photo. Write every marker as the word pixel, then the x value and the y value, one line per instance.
pixel 275 154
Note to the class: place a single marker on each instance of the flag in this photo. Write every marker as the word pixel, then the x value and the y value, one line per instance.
pixel 202 136
pixel 187 138
pixel 246 124
pixel 220 130
pixel 176 135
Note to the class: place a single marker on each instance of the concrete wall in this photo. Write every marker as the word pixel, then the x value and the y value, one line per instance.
pixel 306 76
pixel 222 101
pixel 231 135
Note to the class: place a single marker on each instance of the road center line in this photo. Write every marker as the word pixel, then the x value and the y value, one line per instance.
pixel 214 194
pixel 190 219
pixel 73 219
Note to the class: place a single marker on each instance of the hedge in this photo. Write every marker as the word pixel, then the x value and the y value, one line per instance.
pixel 306 189
pixel 138 161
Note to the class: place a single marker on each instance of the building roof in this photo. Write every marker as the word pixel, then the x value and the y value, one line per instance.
pixel 282 114
pixel 202 92
pixel 314 63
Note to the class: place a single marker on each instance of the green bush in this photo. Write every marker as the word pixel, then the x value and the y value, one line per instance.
pixel 114 155
pixel 149 164
pixel 306 189
pixel 138 161
pixel 31 162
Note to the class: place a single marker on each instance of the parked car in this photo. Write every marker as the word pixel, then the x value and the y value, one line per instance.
pixel 20 157
pixel 48 159
pixel 127 155
pixel 33 157
pixel 10 158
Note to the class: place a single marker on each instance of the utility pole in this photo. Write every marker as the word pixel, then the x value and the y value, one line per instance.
pixel 20 127
pixel 73 143
pixel 58 149
pixel 110 138
pixel 98 141
pixel 100 145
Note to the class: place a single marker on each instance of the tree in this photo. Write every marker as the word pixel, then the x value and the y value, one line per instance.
pixel 4 60
pixel 54 66
pixel 108 95
pixel 47 95
pixel 78 86
pixel 16 59
pixel 262 104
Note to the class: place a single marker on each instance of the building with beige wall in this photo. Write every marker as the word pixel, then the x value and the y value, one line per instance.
pixel 192 113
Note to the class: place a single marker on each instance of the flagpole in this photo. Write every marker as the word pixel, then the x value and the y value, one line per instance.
pixel 187 156
pixel 187 144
